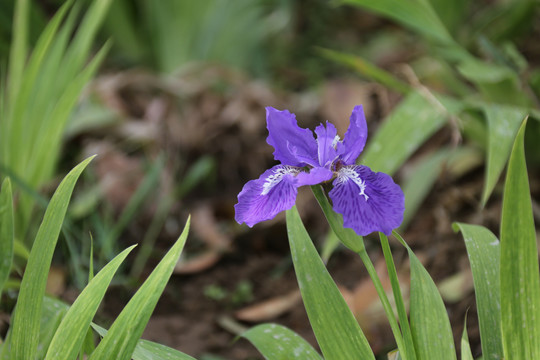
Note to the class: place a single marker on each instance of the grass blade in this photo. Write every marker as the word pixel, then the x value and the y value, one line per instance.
pixel 121 339
pixel 484 252
pixel 71 333
pixel 337 331
pixel 520 280
pixel 430 325
pixel 25 331
pixel 6 232
pixel 276 342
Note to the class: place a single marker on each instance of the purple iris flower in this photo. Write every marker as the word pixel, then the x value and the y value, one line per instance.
pixel 368 201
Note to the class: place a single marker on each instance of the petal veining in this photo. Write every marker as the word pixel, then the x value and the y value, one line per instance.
pixel 293 145
pixel 355 137
pixel 368 201
pixel 327 139
pixel 262 199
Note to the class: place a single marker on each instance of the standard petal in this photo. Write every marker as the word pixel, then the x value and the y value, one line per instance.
pixel 368 201
pixel 262 199
pixel 293 145
pixel 326 141
pixel 314 176
pixel 355 137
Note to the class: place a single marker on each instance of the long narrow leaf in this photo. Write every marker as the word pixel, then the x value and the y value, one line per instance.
pixel 25 331
pixel 148 350
pixel 405 129
pixel 71 333
pixel 503 125
pixel 6 232
pixel 430 325
pixel 337 331
pixel 276 342
pixel 484 252
pixel 122 338
pixel 520 280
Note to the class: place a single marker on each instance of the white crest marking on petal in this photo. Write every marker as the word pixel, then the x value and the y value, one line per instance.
pixel 346 173
pixel 335 141
pixel 276 177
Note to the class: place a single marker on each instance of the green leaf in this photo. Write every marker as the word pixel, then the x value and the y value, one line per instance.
pixel 484 252
pixel 413 121
pixel 466 353
pixel 367 69
pixel 417 15
pixel 121 340
pixel 503 125
pixel 71 333
pixel 430 325
pixel 25 330
pixel 333 323
pixel 148 350
pixel 276 342
pixel 6 232
pixel 520 279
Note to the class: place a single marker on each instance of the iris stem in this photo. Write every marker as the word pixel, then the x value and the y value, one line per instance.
pixel 398 297
pixel 356 243
pixel 385 303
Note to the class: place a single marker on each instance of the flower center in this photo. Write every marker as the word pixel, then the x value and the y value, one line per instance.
pixel 346 173
pixel 276 177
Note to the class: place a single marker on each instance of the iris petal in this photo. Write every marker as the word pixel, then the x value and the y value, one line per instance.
pixel 367 200
pixel 326 140
pixel 355 137
pixel 314 176
pixel 262 199
pixel 293 145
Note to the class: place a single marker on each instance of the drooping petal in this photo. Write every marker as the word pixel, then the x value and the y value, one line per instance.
pixel 262 199
pixel 367 200
pixel 326 141
pixel 355 137
pixel 315 176
pixel 293 145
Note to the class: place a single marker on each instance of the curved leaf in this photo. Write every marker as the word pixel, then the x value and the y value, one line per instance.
pixel 337 331
pixel 520 280
pixel 276 342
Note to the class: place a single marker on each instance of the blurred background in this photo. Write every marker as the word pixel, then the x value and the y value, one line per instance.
pixel 171 96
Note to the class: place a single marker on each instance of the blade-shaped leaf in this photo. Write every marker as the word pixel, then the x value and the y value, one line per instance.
pixel 503 124
pixel 122 338
pixel 417 15
pixel 520 279
pixel 276 342
pixel 71 333
pixel 148 350
pixel 430 325
pixel 336 329
pixel 484 252
pixel 466 353
pixel 6 232
pixel 25 331
pixel 406 128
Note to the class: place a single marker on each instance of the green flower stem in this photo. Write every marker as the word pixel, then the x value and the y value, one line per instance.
pixel 398 297
pixel 356 243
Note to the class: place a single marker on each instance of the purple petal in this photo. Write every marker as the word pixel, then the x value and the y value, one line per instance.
pixel 314 176
pixel 368 201
pixel 355 137
pixel 326 141
pixel 293 145
pixel 262 199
